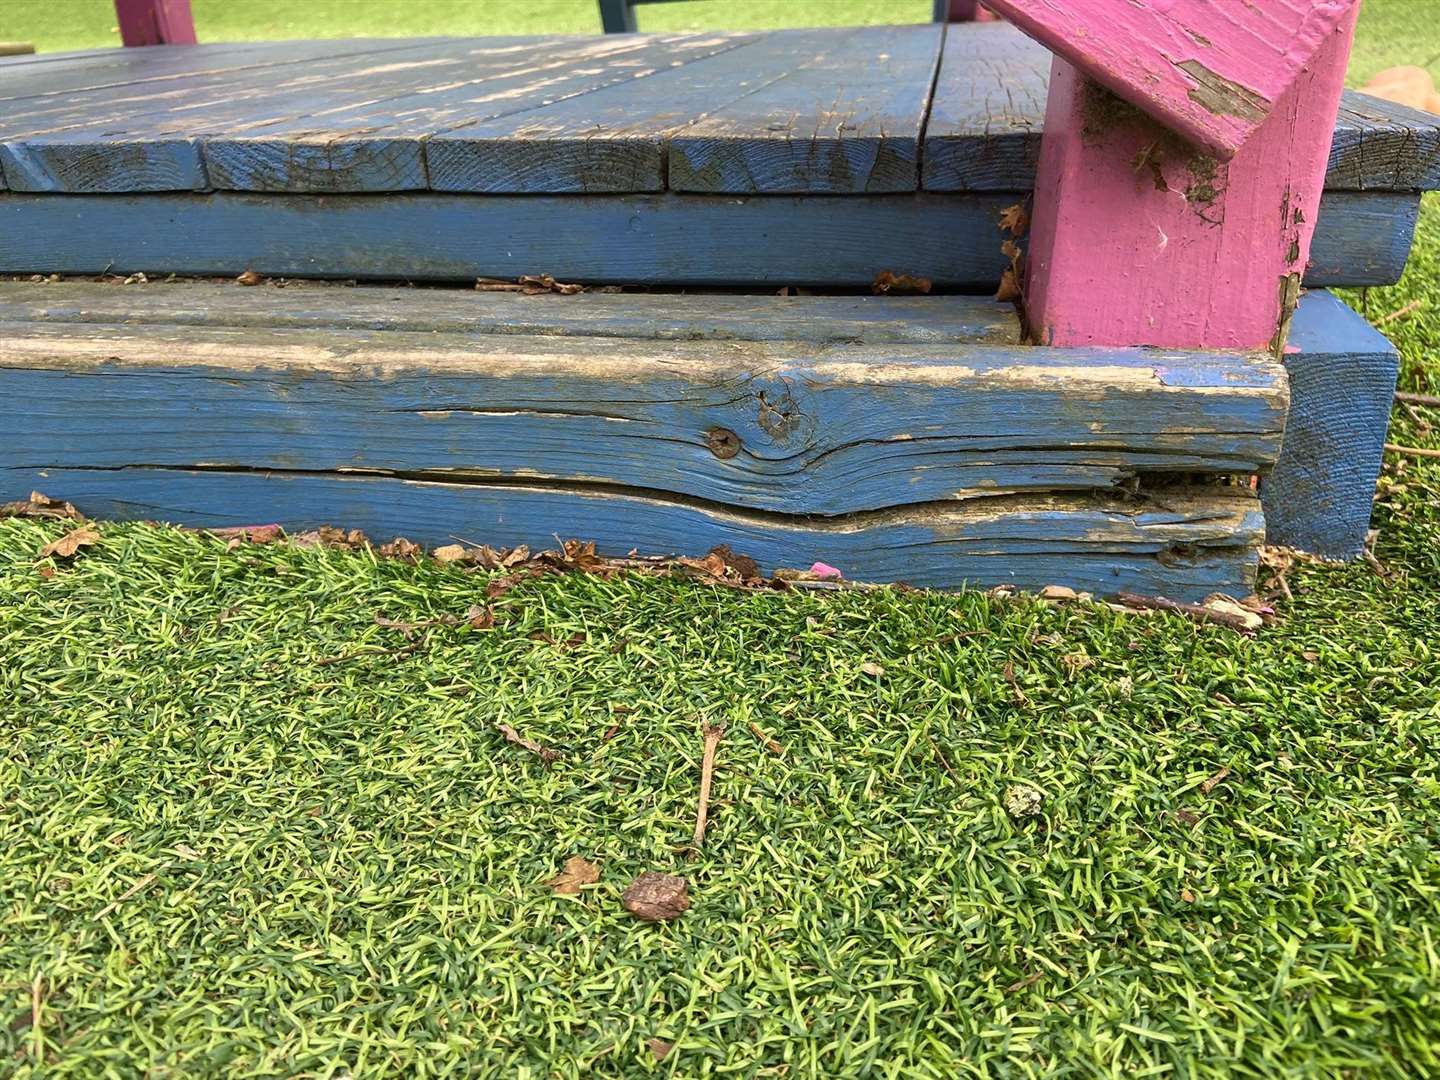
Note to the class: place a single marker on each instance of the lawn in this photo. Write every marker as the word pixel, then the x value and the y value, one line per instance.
pixel 260 818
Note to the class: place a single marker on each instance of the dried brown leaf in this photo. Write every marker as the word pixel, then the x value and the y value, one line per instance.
pixel 400 548
pixel 544 754
pixel 660 1048
pixel 70 543
pixel 576 873
pixel 249 277
pixel 889 283
pixel 450 553
pixel 656 897
pixel 1215 781
pixel 40 506
pixel 480 617
pixel 1015 219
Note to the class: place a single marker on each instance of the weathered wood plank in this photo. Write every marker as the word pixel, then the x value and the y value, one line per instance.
pixel 147 135
pixel 124 69
pixel 789 427
pixel 1211 72
pixel 853 320
pixel 1342 383
pixel 615 138
pixel 847 118
pixel 344 145
pixel 1184 545
pixel 988 114
pixel 1197 253
pixel 1362 238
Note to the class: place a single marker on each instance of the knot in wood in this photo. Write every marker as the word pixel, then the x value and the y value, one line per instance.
pixel 723 442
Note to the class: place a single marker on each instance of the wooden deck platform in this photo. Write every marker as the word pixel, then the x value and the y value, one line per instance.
pixel 684 158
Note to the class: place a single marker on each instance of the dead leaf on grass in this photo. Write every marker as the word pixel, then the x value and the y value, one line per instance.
pixel 872 668
pixel 1215 781
pixel 480 617
pixel 1187 896
pixel 656 897
pixel 1022 800
pixel 70 543
pixel 400 548
pixel 543 753
pixel 660 1048
pixel 577 872
pixel 40 506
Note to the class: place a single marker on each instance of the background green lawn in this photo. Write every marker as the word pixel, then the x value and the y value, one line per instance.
pixel 89 24
pixel 245 829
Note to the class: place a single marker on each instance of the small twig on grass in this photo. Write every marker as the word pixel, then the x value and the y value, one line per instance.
pixel 1398 312
pixel 713 734
pixel 512 736
pixel 37 1000
pixel 770 744
pixel 1215 781
pixel 1198 612
pixel 1432 400
pixel 940 757
pixel 401 651
pixel 1411 451
pixel 1020 698
pixel 144 882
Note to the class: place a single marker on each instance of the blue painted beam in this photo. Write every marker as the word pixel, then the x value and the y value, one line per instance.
pixel 791 426
pixel 682 240
pixel 1319 496
pixel 1184 546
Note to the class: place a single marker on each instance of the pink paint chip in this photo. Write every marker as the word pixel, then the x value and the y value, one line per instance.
pixel 824 571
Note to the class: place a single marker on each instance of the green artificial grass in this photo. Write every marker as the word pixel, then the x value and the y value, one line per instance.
pixel 249 829
pixel 245 829
pixel 90 24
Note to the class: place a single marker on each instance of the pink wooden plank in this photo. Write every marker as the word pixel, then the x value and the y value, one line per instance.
pixel 1211 70
pixel 155 22
pixel 1140 238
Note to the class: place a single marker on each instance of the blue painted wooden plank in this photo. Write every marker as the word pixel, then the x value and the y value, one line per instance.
pixel 157 66
pixel 327 149
pixel 337 123
pixel 988 114
pixel 1361 238
pixel 1185 548
pixel 848 118
pixel 801 428
pixel 823 319
pixel 614 139
pixel 1342 382
pixel 146 136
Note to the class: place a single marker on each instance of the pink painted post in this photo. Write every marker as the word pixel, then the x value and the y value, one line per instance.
pixel 155 22
pixel 1210 70
pixel 1140 237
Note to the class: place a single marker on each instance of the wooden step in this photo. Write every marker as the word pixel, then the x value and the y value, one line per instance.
pixel 798 157
pixel 842 415
pixel 904 439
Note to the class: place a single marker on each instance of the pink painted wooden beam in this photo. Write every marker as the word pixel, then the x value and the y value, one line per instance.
pixel 1212 70
pixel 1141 238
pixel 155 22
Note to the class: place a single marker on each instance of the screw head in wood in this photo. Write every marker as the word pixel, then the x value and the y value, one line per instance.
pixel 723 442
